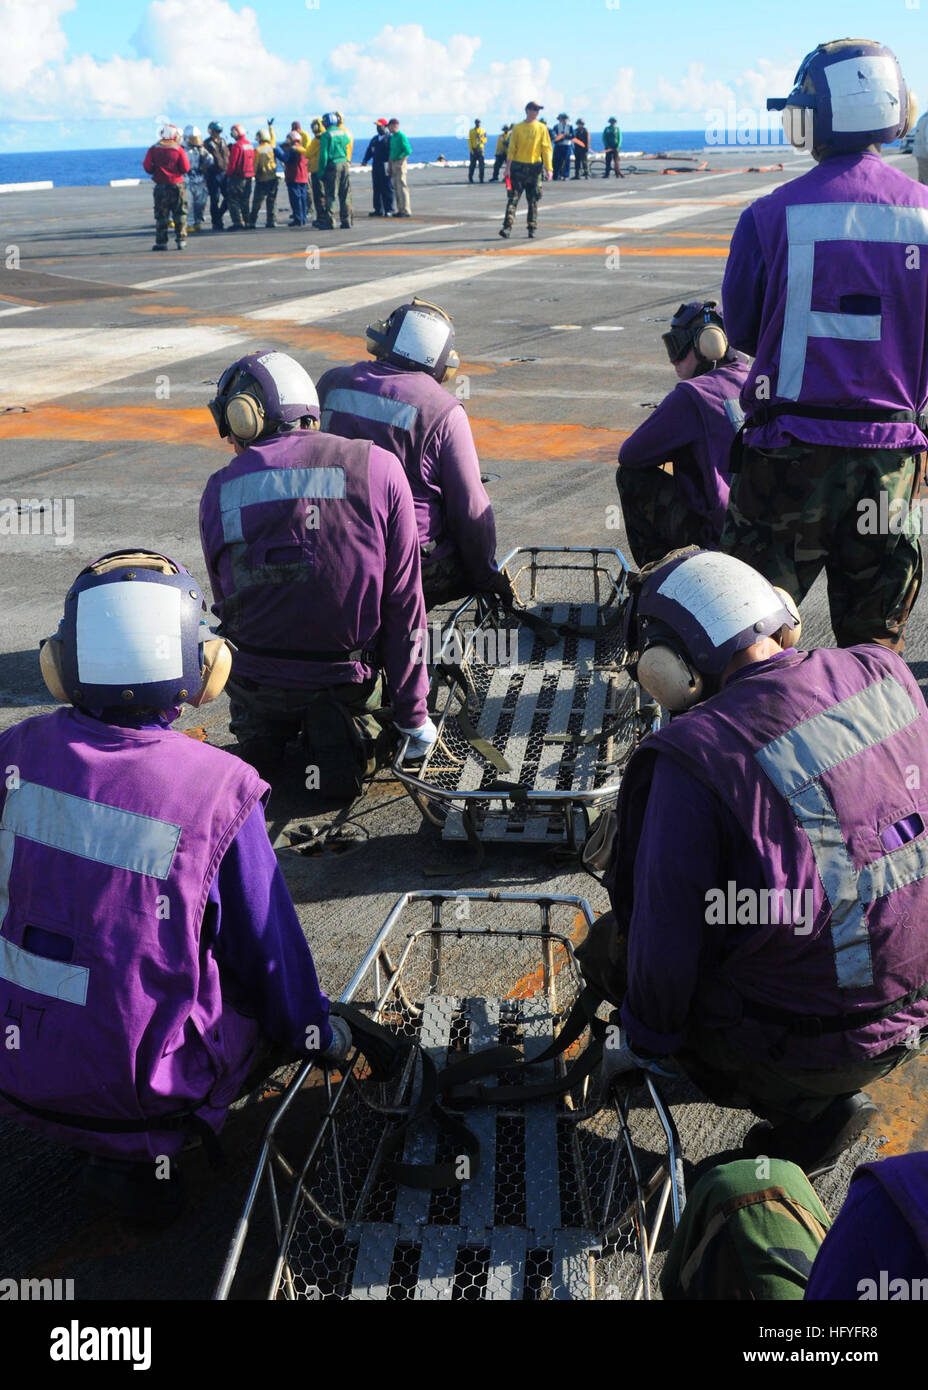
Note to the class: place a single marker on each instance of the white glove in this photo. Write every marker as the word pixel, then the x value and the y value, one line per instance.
pixel 619 1058
pixel 420 740
pixel 341 1044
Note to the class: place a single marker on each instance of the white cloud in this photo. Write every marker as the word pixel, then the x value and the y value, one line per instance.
pixel 747 94
pixel 413 75
pixel 623 98
pixel 768 80
pixel 32 38
pixel 693 92
pixel 202 57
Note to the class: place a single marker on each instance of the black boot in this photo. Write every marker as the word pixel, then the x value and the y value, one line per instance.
pixel 134 1190
pixel 815 1145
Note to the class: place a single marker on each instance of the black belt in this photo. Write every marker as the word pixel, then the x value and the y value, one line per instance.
pixel 184 1120
pixel 811 1026
pixel 367 655
pixel 872 415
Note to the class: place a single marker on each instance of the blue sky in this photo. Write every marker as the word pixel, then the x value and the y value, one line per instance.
pixel 106 72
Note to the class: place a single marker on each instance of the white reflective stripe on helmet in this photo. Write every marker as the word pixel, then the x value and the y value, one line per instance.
pixel 864 94
pixel 294 384
pixel 129 634
pixel 422 338
pixel 724 595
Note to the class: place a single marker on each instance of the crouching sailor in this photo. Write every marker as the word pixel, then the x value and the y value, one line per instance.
pixel 693 428
pixel 788 773
pixel 150 952
pixel 397 401
pixel 312 551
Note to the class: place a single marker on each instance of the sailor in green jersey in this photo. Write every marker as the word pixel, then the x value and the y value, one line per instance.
pixel 335 147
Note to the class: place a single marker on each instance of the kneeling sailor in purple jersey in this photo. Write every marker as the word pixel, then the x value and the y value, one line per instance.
pixel 693 428
pixel 148 945
pixel 827 287
pixel 398 403
pixel 782 960
pixel 313 556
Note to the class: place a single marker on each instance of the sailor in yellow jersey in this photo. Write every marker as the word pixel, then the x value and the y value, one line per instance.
pixel 502 145
pixel 529 155
pixel 312 161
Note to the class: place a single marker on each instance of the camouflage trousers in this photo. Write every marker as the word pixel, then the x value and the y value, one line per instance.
pixel 238 196
pixel 336 182
pixel 795 511
pixel 727 1076
pixel 264 718
pixel 750 1230
pixel 527 179
pixel 657 519
pixel 265 194
pixel 170 206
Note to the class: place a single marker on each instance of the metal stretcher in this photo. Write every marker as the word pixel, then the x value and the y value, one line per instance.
pixel 532 737
pixel 566 1194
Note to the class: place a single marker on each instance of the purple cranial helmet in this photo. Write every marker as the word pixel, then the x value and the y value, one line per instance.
pixel 846 95
pixel 134 636
pixel 261 392
pixel 695 610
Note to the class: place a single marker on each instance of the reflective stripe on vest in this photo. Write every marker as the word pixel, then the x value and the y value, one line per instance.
pixel 366 406
pixel 274 485
pixel 734 412
pixel 795 762
pixel 106 834
pixel 808 225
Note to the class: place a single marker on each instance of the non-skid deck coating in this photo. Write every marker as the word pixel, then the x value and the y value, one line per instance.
pixel 562 717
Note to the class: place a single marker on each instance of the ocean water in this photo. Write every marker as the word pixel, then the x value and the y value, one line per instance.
pixel 77 168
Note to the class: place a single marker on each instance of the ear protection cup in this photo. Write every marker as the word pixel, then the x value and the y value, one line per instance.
pixel 244 416
pixel 669 679
pixel 451 366
pixel 217 664
pixel 797 126
pixel 788 636
pixel 375 334
pixel 911 112
pixel 711 344
pixel 50 665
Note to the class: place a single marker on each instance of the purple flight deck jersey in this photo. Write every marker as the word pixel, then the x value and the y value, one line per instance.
pixel 311 546
pixel 880 1235
pixel 693 427
pixel 827 287
pixel 119 855
pixel 410 414
pixel 793 779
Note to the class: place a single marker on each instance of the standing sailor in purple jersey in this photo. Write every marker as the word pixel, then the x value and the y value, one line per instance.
pixel 398 403
pixel 782 960
pixel 693 428
pixel 827 288
pixel 148 945
pixel 313 556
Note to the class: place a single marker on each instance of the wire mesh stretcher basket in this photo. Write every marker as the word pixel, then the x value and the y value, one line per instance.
pixel 532 737
pixel 567 1194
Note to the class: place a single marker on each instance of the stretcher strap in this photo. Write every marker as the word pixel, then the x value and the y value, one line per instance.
pixel 454 1080
pixel 385 1053
pixel 451 672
